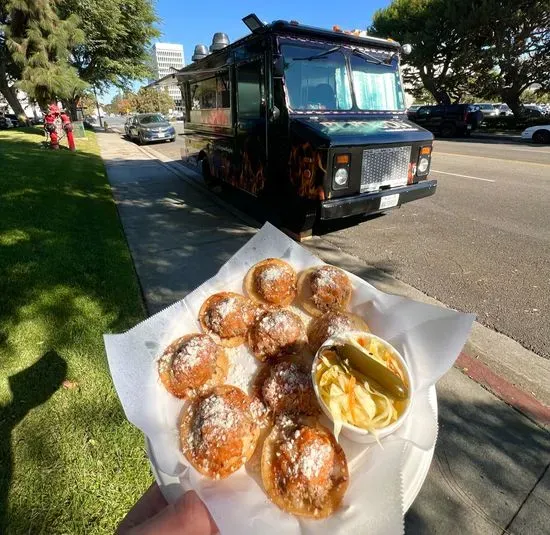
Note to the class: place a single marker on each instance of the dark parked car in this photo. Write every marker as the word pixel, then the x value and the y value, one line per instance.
pixel 531 110
pixel 146 127
pixel 412 111
pixel 449 121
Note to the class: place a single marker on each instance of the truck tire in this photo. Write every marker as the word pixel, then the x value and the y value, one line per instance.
pixel 448 130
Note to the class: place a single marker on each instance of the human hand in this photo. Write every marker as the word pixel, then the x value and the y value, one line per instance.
pixel 153 515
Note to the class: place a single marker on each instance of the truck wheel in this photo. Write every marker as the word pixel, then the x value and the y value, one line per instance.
pixel 541 136
pixel 299 216
pixel 448 130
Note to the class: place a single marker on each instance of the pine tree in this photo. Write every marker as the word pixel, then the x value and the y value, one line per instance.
pixel 9 70
pixel 40 44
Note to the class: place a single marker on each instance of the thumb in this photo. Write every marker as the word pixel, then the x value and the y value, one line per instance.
pixel 188 516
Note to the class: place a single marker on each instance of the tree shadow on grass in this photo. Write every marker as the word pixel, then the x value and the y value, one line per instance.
pixel 63 255
pixel 30 388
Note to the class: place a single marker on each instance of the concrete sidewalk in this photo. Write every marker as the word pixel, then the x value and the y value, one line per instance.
pixel 490 471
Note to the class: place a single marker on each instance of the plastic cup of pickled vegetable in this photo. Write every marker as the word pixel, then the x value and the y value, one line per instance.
pixel 363 385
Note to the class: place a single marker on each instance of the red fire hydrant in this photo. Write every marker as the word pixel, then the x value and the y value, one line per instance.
pixel 50 126
pixel 68 127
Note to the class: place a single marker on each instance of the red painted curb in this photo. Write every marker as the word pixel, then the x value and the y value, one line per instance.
pixel 520 400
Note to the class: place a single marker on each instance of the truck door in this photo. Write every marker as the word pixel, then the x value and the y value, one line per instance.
pixel 251 126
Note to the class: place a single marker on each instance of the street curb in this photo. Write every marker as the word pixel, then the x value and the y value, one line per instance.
pixel 485 350
pixel 522 401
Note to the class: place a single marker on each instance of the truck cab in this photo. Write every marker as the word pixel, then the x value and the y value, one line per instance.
pixel 312 121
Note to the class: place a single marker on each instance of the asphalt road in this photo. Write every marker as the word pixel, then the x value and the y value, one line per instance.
pixel 481 244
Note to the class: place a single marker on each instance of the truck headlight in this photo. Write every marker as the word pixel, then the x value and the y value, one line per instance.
pixel 423 163
pixel 341 177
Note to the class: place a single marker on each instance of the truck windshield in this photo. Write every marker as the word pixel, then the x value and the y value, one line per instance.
pixel 377 86
pixel 316 78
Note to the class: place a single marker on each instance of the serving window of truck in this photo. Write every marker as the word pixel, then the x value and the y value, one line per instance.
pixel 310 121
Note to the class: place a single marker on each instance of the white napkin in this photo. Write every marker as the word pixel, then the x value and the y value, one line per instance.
pixel 429 337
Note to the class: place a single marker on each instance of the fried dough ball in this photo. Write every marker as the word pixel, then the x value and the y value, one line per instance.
pixel 228 316
pixel 276 333
pixel 192 364
pixel 287 388
pixel 304 469
pixel 324 288
pixel 218 432
pixel 330 324
pixel 271 282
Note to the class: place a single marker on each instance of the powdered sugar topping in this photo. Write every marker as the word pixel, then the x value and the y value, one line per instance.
pixel 285 380
pixel 327 276
pixel 312 459
pixel 279 320
pixel 188 355
pixel 227 306
pixel 216 413
pixel 339 324
pixel 271 273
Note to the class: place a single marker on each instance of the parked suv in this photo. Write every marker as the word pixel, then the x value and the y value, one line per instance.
pixel 449 121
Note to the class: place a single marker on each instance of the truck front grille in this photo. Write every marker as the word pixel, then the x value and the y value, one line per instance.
pixel 385 167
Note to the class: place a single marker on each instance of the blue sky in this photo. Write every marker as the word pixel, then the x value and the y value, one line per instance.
pixel 190 22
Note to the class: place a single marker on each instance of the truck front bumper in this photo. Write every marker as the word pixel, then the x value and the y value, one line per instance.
pixel 369 203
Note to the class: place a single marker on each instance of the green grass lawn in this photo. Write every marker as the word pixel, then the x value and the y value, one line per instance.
pixel 69 461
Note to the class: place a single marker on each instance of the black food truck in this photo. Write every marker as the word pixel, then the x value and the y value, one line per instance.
pixel 307 120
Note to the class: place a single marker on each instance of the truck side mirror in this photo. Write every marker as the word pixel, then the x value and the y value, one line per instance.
pixel 278 67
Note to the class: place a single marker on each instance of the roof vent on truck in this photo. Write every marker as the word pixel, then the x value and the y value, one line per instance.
pixel 201 51
pixel 219 41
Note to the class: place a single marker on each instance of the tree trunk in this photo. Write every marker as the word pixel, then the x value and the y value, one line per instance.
pixel 441 97
pixel 512 99
pixel 70 106
pixel 11 96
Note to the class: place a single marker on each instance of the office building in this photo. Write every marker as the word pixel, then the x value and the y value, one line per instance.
pixel 167 57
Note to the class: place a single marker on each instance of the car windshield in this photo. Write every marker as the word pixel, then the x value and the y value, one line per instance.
pixel 154 118
pixel 316 78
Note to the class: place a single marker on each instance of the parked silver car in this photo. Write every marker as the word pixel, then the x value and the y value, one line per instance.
pixel 488 109
pixel 147 127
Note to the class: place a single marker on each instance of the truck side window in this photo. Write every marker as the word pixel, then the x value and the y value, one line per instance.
pixel 203 94
pixel 249 93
